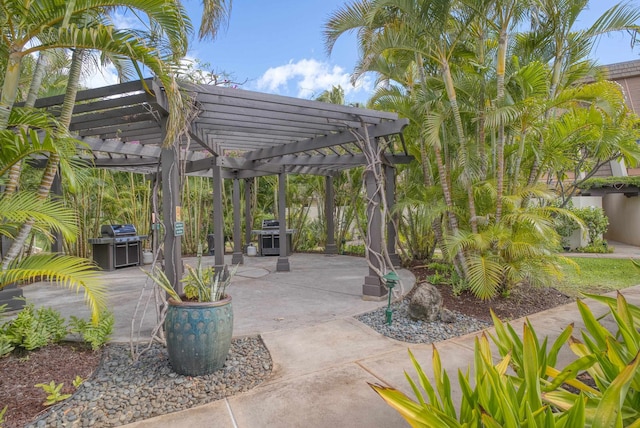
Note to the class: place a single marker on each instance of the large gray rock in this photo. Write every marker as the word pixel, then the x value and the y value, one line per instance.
pixel 425 303
pixel 447 316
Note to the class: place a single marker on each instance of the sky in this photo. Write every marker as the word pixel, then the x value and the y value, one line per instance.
pixel 278 47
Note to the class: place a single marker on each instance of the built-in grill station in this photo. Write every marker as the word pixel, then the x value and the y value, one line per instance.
pixel 269 238
pixel 119 246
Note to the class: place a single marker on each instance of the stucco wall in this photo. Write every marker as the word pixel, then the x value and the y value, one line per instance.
pixel 624 218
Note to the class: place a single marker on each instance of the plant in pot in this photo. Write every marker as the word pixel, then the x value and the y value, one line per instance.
pixel 199 324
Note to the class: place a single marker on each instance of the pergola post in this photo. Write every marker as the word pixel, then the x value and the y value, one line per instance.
pixel 283 258
pixel 330 247
pixel 170 206
pixel 218 217
pixel 237 229
pixel 373 289
pixel 390 195
pixel 248 218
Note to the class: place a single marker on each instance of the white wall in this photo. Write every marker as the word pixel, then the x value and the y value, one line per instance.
pixel 624 218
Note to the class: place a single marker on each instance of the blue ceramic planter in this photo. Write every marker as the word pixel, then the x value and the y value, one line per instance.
pixel 198 335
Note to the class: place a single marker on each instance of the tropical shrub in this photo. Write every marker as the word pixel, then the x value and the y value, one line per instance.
pixel 33 329
pixel 96 334
pixel 595 220
pixel 537 393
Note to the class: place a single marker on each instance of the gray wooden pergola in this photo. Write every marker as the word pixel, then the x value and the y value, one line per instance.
pixel 236 134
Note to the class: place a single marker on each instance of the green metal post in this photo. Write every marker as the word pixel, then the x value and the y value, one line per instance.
pixel 391 280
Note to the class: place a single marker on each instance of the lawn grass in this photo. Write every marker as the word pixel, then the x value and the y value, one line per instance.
pixel 598 275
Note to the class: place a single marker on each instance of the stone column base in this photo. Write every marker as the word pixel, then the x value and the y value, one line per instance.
pixel 372 289
pixel 283 265
pixel 331 249
pixel 237 258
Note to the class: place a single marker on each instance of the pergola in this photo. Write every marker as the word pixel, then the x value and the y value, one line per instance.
pixel 237 134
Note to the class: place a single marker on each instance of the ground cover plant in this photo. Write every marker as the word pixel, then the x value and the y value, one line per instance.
pixel 38 366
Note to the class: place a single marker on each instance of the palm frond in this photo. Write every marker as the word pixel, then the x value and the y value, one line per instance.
pixel 65 271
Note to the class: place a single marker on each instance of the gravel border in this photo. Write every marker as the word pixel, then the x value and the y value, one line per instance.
pixel 121 391
pixel 406 329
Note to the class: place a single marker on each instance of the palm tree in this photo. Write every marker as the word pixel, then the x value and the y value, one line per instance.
pixel 38 29
pixel 467 83
pixel 57 24
pixel 554 30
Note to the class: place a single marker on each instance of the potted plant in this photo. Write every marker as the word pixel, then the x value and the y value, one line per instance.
pixel 199 324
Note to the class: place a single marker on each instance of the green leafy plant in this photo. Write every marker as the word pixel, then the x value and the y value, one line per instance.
pixel 205 284
pixel 438 267
pixel 595 220
pixel 202 284
pixel 95 334
pixel 598 246
pixel 536 394
pixel 33 329
pixel 354 249
pixel 2 413
pixel 77 382
pixel 53 391
pixel 5 346
pixel 491 398
pixel 437 278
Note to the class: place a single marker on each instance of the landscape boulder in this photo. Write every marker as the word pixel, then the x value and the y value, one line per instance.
pixel 426 303
pixel 447 316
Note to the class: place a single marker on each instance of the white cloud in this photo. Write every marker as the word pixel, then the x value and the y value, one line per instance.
pixel 125 21
pixel 101 76
pixel 309 77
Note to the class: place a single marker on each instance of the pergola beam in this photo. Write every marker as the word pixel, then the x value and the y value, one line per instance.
pixel 374 131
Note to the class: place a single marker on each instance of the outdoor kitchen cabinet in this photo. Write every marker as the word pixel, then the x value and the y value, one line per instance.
pixel 118 247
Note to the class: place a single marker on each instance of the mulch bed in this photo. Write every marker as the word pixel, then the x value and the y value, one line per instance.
pixel 522 301
pixel 21 371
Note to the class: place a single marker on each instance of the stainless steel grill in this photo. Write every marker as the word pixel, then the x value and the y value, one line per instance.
pixel 269 238
pixel 119 246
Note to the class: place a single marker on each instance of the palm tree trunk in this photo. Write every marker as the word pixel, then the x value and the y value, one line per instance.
pixel 500 72
pixel 9 88
pixel 453 101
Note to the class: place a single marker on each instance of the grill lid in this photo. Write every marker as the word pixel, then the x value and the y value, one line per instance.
pixel 114 230
pixel 270 224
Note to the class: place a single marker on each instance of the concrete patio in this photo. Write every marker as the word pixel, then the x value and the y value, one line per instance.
pixel 323 358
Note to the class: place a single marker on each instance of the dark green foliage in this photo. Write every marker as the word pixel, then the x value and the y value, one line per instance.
pixel 600 182
pixel 95 334
pixel 595 220
pixel 354 250
pixel 33 329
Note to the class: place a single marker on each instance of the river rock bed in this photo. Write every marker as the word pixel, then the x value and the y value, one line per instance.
pixel 406 329
pixel 123 391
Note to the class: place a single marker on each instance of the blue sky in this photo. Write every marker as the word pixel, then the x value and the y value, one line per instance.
pixel 278 47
